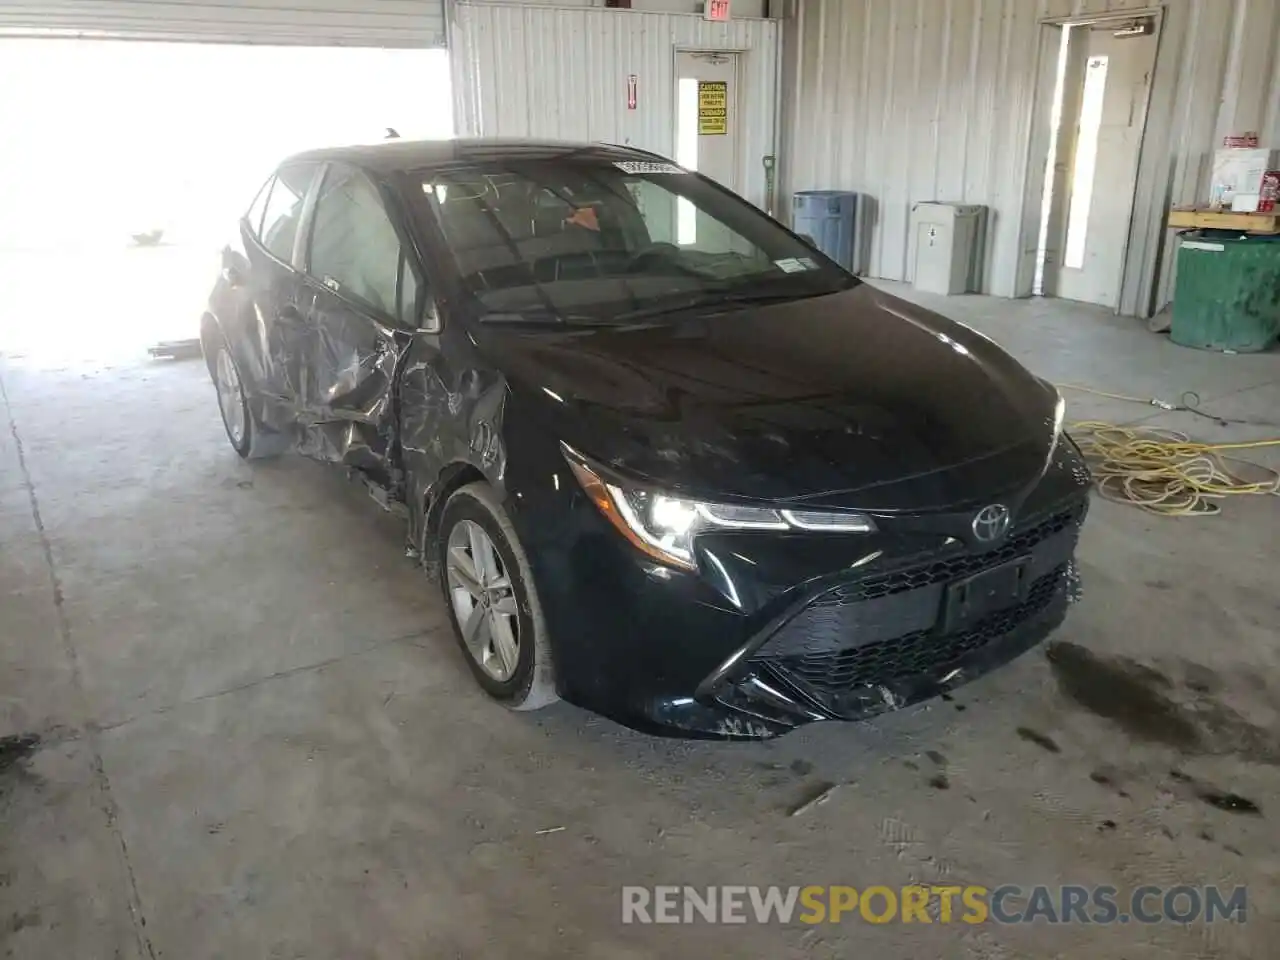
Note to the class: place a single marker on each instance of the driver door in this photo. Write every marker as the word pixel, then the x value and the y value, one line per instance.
pixel 363 288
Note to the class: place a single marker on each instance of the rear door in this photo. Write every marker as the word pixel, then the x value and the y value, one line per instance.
pixel 272 332
pixel 363 288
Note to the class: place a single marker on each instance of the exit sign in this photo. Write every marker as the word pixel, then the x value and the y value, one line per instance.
pixel 715 10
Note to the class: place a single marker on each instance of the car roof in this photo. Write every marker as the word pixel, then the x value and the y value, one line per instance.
pixel 392 156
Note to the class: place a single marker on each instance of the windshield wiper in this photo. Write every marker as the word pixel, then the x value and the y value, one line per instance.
pixel 542 318
pixel 716 298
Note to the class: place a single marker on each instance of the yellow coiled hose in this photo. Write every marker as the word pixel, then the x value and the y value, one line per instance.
pixel 1163 471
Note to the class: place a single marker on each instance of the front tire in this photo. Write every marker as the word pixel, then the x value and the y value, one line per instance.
pixel 493 602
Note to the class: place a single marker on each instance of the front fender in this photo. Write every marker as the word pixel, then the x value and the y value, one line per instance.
pixel 451 420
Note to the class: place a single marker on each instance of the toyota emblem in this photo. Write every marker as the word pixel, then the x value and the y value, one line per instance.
pixel 991 522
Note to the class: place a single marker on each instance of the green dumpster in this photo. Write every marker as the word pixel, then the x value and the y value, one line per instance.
pixel 1227 295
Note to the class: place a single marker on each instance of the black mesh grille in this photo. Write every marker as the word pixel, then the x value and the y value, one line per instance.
pixel 914 654
pixel 953 568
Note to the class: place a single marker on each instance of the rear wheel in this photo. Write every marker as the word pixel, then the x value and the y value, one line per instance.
pixel 244 431
pixel 231 400
pixel 493 603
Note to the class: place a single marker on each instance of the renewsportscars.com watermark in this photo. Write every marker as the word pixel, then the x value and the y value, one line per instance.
pixel 1008 904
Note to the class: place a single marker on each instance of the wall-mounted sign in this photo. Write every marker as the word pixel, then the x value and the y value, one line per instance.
pixel 715 10
pixel 713 107
pixel 632 83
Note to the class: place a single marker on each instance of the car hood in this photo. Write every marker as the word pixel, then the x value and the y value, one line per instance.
pixel 855 400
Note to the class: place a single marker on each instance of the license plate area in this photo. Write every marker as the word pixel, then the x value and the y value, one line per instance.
pixel 998 588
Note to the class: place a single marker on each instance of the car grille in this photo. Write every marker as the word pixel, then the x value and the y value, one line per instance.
pixel 953 568
pixel 915 654
pixel 888 605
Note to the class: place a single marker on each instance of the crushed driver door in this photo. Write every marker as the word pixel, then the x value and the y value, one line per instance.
pixel 361 295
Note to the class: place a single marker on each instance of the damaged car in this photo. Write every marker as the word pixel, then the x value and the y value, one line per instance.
pixel 662 458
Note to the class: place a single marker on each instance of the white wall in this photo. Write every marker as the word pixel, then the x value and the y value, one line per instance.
pixel 534 71
pixel 932 99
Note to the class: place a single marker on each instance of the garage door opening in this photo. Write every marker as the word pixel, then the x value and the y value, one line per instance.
pixel 127 165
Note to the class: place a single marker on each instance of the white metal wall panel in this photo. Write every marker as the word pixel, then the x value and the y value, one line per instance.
pixel 375 23
pixel 535 71
pixel 932 99
pixel 740 8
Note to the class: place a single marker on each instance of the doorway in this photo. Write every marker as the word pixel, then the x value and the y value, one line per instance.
pixel 707 137
pixel 1099 112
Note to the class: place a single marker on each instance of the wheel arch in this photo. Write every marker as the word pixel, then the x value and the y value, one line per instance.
pixel 453 476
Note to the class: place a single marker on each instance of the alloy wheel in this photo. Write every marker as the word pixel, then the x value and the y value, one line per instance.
pixel 484 600
pixel 230 396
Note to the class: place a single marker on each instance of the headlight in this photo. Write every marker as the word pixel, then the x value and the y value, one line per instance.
pixel 664 527
pixel 1059 415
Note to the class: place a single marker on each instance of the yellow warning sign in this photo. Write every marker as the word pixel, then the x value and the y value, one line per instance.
pixel 713 107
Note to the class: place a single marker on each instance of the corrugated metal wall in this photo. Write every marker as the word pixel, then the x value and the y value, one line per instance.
pixel 376 23
pixel 933 99
pixel 1216 73
pixel 524 70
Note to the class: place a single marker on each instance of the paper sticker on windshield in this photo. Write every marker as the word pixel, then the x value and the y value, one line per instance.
pixel 647 166
pixel 792 265
pixel 808 263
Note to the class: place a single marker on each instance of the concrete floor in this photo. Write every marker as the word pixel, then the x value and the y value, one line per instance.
pixel 236 725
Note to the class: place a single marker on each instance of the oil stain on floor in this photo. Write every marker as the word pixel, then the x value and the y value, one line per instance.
pixel 1149 706
pixel 16 748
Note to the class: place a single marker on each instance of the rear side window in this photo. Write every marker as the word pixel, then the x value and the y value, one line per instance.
pixel 355 249
pixel 283 210
pixel 254 216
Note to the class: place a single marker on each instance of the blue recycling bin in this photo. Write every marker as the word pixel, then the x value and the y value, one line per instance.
pixel 830 217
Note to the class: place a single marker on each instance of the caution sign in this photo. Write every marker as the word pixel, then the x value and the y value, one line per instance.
pixel 713 108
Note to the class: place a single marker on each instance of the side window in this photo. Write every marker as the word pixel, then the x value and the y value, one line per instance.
pixel 254 216
pixel 284 209
pixel 356 251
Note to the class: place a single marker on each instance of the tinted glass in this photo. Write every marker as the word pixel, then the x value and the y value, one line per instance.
pixel 602 241
pixel 355 250
pixel 254 216
pixel 284 209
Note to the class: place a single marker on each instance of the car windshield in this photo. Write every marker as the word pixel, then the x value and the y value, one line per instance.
pixel 593 241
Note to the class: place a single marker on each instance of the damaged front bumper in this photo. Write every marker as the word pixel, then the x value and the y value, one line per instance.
pixel 881 642
pixel 769 695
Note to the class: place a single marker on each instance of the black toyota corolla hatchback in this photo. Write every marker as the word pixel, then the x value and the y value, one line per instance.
pixel 665 459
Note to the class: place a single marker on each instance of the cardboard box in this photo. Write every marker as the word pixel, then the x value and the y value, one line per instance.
pixel 1239 170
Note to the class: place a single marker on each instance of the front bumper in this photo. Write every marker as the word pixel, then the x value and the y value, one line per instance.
pixel 765 637
pixel 879 643
pixel 776 693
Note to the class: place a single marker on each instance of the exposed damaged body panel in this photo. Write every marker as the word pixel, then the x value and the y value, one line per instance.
pixel 350 376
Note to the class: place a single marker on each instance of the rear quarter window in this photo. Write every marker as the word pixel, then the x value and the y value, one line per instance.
pixel 258 207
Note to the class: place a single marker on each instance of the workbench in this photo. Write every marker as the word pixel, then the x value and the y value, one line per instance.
pixel 1199 218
